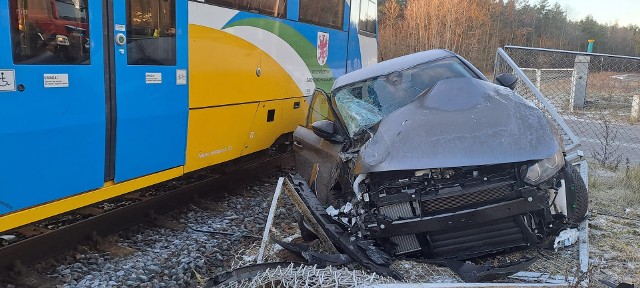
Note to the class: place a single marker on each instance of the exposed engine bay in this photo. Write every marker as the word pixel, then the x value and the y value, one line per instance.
pixel 453 213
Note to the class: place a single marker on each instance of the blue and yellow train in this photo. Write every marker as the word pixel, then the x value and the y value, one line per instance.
pixel 99 98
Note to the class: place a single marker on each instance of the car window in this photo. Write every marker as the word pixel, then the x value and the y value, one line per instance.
pixel 358 108
pixel 319 109
pixel 363 104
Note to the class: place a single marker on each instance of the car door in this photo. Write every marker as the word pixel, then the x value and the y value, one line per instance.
pixel 310 149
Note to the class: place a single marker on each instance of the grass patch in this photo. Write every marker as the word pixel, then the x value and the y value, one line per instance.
pixel 614 189
pixel 632 180
pixel 613 240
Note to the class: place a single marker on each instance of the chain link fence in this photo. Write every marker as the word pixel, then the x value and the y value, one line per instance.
pixel 552 267
pixel 595 96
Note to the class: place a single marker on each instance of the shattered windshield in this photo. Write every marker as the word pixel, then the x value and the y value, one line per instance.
pixel 363 104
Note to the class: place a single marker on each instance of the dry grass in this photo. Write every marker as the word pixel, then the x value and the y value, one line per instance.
pixel 614 204
pixel 605 94
pixel 632 182
pixel 614 189
pixel 609 95
pixel 604 83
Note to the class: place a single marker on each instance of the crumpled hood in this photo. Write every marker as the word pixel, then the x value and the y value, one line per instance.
pixel 459 122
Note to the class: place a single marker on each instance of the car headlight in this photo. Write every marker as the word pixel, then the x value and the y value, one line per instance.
pixel 544 169
pixel 62 40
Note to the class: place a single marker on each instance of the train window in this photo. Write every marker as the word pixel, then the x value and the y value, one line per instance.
pixel 45 32
pixel 151 32
pixel 328 13
pixel 368 16
pixel 275 8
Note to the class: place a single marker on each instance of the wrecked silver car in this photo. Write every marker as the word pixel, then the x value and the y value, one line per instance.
pixel 423 156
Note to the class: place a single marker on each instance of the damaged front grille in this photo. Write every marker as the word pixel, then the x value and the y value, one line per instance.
pixel 489 237
pixel 435 192
pixel 399 211
pixel 401 196
pixel 492 235
pixel 465 198
pixel 406 243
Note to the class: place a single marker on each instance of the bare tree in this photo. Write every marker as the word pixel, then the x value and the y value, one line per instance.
pixel 475 28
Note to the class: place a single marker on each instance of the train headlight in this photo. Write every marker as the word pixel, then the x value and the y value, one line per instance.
pixel 544 169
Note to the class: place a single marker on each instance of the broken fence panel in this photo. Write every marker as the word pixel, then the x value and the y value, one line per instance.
pixel 502 59
pixel 605 88
pixel 297 201
pixel 267 227
pixel 459 285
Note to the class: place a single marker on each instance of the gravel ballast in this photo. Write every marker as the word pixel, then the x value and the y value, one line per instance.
pixel 172 253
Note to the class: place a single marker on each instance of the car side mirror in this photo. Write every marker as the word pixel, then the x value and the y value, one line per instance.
pixel 507 80
pixel 325 129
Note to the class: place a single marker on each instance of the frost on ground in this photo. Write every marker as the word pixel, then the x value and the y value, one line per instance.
pixel 171 254
pixel 615 223
pixel 561 265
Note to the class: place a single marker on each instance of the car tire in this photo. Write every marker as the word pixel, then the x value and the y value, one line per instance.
pixel 576 186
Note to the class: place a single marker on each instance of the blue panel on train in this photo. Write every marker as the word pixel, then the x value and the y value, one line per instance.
pixel 52 103
pixel 354 57
pixel 151 87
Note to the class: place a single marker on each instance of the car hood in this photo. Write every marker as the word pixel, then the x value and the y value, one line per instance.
pixel 459 122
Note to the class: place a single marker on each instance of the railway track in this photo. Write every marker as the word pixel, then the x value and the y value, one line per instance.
pixel 54 236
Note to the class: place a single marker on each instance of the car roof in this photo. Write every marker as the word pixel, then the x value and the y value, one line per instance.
pixel 386 67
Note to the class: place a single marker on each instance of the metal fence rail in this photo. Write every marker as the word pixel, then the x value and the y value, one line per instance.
pixel 595 95
pixel 526 88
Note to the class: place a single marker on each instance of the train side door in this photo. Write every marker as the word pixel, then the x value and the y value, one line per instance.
pixel 151 91
pixel 52 100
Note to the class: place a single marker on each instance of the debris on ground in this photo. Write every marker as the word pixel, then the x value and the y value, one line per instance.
pixel 484 269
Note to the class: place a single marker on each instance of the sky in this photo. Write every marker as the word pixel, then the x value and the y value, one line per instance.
pixel 625 12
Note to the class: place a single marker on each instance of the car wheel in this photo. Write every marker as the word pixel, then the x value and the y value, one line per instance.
pixel 576 187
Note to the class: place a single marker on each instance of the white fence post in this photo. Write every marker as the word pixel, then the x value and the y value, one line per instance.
pixel 579 81
pixel 635 109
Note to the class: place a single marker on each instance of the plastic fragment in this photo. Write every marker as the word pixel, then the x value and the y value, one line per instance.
pixel 8 238
pixel 333 212
pixel 566 238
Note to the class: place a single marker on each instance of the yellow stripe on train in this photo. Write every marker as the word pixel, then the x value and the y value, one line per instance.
pixel 109 190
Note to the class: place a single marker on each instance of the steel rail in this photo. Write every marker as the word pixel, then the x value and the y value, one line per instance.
pixel 55 242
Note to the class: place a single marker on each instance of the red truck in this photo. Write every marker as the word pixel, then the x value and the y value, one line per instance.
pixel 57 26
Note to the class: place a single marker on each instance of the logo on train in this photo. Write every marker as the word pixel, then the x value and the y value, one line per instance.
pixel 323 48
